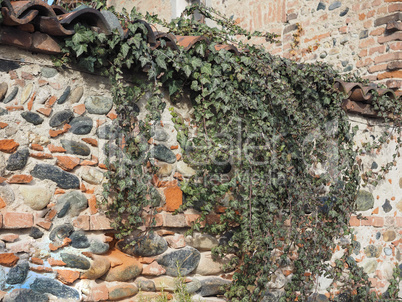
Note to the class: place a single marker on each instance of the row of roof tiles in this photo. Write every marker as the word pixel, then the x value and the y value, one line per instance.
pixel 36 26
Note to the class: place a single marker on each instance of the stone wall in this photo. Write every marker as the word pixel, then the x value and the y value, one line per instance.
pixel 55 240
pixel 359 36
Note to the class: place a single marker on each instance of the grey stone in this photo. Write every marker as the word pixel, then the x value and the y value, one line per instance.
pixel 389 235
pixel 81 125
pixel 37 197
pixel 335 5
pixel 3 90
pixel 107 131
pixel 321 6
pixel 35 233
pixel 160 135
pixel 185 169
pixel 11 96
pixel 323 55
pixel 144 284
pixel 62 99
pixel 26 93
pixel 345 63
pixel 162 153
pixel 373 251
pixel 63 179
pixel 146 245
pixel 25 295
pixel 61 231
pixel 348 68
pixel 2 276
pixel 363 34
pixel 98 104
pixel 48 72
pixel 370 266
pixel 3 164
pixel 202 241
pixel 378 235
pixel 356 247
pixel 98 247
pixel 75 261
pixel 76 200
pixel 73 147
pixel 79 240
pixel 64 210
pixel 6 66
pixel 186 259
pixel 374 165
pixel 3 111
pixel 51 286
pixel 344 12
pixel 387 206
pixel 212 286
pixel 76 95
pixel 364 200
pixel 345 40
pixel 18 160
pixel 61 118
pixel 193 286
pixel 113 22
pixel 122 291
pixel 32 117
pixel 7 193
pixel 18 273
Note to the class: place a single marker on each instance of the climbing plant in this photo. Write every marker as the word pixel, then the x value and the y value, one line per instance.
pixel 272 147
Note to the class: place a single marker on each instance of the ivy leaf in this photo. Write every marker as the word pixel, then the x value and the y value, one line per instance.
pixel 80 49
pixel 161 62
pixel 206 69
pixel 88 63
pixel 187 70
pixel 125 48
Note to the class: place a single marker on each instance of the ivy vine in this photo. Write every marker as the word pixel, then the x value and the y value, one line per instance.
pixel 272 147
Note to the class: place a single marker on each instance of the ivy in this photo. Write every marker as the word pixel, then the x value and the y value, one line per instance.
pixel 272 147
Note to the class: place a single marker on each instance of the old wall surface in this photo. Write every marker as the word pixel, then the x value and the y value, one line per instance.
pixel 54 240
pixel 360 36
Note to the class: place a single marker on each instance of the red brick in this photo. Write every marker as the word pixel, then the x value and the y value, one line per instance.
pixel 8 259
pixel 192 218
pixel 13 75
pixel 14 108
pixel 56 86
pixel 45 43
pixel 174 198
pixel 157 219
pixel 79 109
pixel 367 42
pixel 26 75
pixel 45 111
pixel 67 163
pixel 392 37
pixel 16 220
pixel 99 222
pixel 53 149
pixel 379 49
pixel 91 141
pixel 36 147
pixel 55 133
pixel 362 17
pixel 41 155
pixel 377 31
pixel 50 102
pixel 112 114
pixel 54 262
pixel 37 261
pixel 92 205
pixel 20 179
pixel 395 45
pixel 378 222
pixel 82 222
pixel 41 269
pixel 396 7
pixel 8 145
pixel 388 57
pixel 2 205
pixel 3 125
pixel 365 62
pixel 44 224
pixel 363 53
pixel 390 75
pixel 343 29
pixel 354 221
pixel 67 276
pixel 9 237
pixel 379 67
pixel 42 82
pixel 367 24
pixel 394 84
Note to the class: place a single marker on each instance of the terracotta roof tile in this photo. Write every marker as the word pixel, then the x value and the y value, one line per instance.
pixel 36 26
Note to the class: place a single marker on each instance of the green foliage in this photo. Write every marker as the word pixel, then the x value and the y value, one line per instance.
pixel 272 146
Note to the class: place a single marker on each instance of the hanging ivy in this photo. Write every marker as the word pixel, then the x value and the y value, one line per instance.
pixel 272 147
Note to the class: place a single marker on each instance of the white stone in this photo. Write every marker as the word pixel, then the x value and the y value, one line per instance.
pixel 37 197
pixel 185 169
pixel 202 241
pixel 92 175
